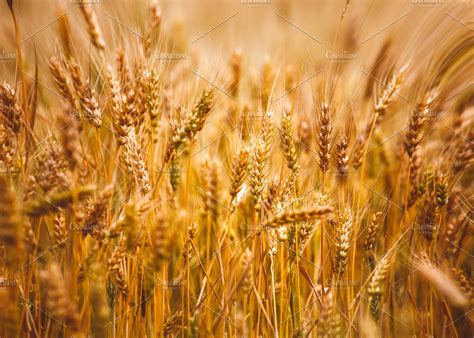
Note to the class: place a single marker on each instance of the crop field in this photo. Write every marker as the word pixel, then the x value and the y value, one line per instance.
pixel 236 168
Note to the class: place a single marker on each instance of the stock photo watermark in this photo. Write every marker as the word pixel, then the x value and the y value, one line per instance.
pixel 429 114
pixel 341 57
pixel 341 283
pixel 170 56
pixel 342 173
pixel 85 2
pixel 174 169
pixel 5 169
pixel 86 228
pixel 256 114
pixel 7 56
pixel 425 229
pixel 427 3
pixel 255 2
pixel 175 283
pixel 7 283
pixel 254 228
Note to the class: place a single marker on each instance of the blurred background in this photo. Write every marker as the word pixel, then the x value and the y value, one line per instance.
pixel 346 46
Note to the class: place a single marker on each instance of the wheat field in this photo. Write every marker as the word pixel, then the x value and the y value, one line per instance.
pixel 236 168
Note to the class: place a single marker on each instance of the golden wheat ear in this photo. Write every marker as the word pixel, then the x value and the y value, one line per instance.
pixel 93 27
pixel 11 112
pixel 57 301
pixel 324 137
pixel 376 286
pixel 343 241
